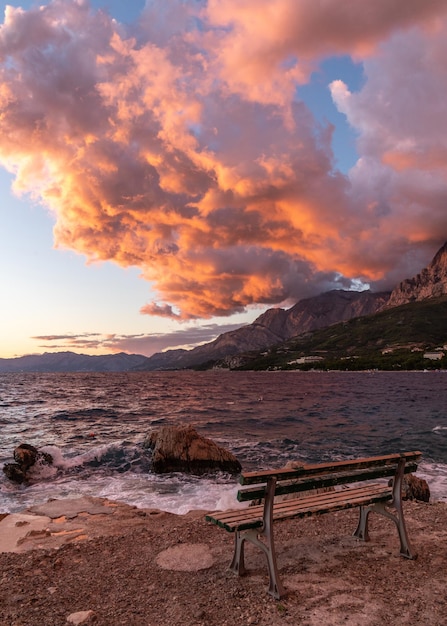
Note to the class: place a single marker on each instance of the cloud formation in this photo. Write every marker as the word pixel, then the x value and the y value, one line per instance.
pixel 181 147
pixel 144 343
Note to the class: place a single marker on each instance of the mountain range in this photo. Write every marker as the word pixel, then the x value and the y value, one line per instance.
pixel 72 362
pixel 272 328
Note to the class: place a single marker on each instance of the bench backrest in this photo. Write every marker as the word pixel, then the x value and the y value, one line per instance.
pixel 307 477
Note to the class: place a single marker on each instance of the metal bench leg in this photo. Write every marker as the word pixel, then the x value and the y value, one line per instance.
pixel 398 518
pixel 267 546
pixel 397 515
pixel 405 547
pixel 275 586
pixel 361 532
pixel 238 562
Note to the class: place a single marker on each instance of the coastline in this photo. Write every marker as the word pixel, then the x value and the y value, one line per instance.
pixel 120 565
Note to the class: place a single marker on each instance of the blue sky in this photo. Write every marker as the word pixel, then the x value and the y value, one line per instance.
pixel 54 298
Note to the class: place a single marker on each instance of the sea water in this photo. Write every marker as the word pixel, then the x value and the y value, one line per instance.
pixel 94 426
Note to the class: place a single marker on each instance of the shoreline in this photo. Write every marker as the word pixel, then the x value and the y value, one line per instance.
pixel 131 566
pixel 216 494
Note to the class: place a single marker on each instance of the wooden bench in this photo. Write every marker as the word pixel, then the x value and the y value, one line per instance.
pixel 340 485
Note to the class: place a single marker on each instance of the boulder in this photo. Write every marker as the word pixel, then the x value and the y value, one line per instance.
pixel 25 457
pixel 182 449
pixel 293 465
pixel 415 488
pixel 14 472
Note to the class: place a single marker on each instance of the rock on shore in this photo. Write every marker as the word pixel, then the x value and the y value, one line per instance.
pixel 182 449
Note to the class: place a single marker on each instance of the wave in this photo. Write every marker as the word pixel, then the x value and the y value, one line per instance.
pixel 121 471
pixel 436 476
pixel 117 456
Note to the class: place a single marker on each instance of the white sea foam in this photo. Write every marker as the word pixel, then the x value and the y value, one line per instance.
pixel 96 453
pixel 174 494
pixel 436 476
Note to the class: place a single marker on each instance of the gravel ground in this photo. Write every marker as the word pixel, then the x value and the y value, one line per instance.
pixel 141 567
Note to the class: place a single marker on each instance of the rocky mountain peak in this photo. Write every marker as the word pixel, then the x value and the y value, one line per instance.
pixel 330 308
pixel 430 283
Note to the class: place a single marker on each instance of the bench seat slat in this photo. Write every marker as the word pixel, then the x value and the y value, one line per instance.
pixel 251 478
pixel 307 500
pixel 252 517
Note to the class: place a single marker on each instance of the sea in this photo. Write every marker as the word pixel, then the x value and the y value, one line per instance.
pixel 94 425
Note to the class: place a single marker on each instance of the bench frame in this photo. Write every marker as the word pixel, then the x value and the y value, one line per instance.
pixel 255 524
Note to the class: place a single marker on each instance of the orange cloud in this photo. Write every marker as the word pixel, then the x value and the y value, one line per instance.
pixel 265 47
pixel 181 148
pixel 429 158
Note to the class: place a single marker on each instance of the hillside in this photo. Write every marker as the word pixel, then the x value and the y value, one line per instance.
pixel 275 326
pixel 395 338
pixel 72 362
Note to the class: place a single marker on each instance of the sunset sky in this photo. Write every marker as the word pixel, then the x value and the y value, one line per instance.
pixel 171 168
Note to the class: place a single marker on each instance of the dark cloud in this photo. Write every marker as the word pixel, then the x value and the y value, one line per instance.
pixel 146 344
pixel 179 146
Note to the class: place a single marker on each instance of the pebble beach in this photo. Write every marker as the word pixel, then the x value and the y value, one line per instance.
pixel 99 562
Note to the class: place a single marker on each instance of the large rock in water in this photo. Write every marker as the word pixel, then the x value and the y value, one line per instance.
pixel 25 457
pixel 14 472
pixel 182 449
